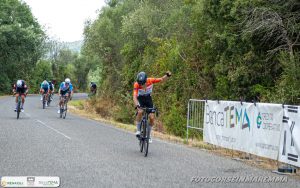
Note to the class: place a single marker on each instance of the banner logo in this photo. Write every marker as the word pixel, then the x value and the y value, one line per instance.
pixel 258 120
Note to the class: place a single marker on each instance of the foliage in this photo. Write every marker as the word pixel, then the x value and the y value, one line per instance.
pixel 227 49
pixel 42 72
pixel 21 42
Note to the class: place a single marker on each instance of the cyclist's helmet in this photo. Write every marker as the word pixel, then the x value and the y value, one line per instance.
pixel 141 78
pixel 45 82
pixel 67 80
pixel 19 83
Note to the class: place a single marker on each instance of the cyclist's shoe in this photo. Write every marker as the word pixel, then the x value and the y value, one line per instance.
pixel 46 104
pixel 41 98
pixel 150 140
pixel 15 109
pixel 58 111
pixel 138 134
pixel 22 109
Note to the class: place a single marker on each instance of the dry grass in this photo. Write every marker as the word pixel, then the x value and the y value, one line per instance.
pixel 3 96
pixel 252 160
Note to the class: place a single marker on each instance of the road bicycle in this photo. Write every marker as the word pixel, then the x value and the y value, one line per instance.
pixel 44 100
pixel 49 99
pixel 64 107
pixel 144 137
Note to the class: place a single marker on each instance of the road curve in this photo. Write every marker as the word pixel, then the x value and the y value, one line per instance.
pixel 86 153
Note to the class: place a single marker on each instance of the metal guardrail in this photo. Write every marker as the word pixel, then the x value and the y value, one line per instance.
pixel 195 115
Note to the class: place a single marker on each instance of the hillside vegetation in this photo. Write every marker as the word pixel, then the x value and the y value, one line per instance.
pixel 216 49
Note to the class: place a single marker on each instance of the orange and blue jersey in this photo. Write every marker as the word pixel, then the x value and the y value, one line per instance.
pixel 138 89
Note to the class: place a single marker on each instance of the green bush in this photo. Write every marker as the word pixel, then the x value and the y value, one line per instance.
pixel 5 84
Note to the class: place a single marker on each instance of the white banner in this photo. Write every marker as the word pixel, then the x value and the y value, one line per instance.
pixel 290 137
pixel 245 127
pixel 30 181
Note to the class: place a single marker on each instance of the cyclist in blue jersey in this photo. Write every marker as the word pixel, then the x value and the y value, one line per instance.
pixel 65 89
pixel 44 89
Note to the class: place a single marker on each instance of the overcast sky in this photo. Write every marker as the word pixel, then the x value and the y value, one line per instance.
pixel 64 19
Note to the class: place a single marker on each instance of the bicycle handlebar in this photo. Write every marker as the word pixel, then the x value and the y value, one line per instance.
pixel 150 110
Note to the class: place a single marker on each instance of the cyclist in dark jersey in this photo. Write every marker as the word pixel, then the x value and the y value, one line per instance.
pixel 51 89
pixel 93 88
pixel 20 89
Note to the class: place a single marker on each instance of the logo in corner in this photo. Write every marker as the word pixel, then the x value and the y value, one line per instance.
pixel 30 180
pixel 3 183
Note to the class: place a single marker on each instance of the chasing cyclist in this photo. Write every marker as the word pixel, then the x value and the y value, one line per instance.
pixel 93 88
pixel 142 98
pixel 44 89
pixel 51 90
pixel 20 88
pixel 65 89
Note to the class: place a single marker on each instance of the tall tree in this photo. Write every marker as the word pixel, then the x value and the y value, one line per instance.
pixel 21 41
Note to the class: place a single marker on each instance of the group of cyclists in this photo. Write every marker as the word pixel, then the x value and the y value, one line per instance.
pixel 47 87
pixel 142 90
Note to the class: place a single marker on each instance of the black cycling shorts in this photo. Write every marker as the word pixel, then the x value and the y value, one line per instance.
pixel 63 93
pixel 145 101
pixel 21 90
pixel 45 89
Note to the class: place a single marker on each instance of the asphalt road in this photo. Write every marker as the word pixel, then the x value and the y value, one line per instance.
pixel 85 153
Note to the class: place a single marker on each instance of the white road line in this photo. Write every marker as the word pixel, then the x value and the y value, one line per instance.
pixel 54 129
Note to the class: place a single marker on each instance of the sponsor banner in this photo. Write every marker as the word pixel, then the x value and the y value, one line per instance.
pixel 290 136
pixel 29 181
pixel 245 127
pixel 267 127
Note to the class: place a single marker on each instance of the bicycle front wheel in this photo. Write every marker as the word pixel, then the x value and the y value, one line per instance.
pixel 146 141
pixel 142 137
pixel 61 112
pixel 65 111
pixel 44 101
pixel 19 107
